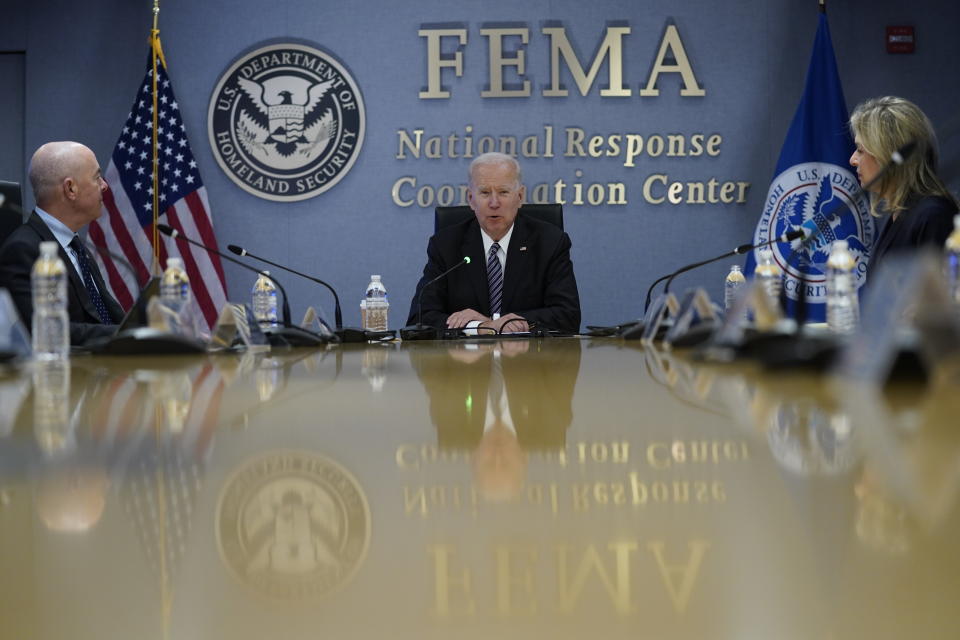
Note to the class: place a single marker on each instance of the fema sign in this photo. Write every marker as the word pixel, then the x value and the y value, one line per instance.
pixel 825 200
pixel 286 122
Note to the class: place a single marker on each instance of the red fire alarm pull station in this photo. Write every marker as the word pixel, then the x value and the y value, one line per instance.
pixel 900 40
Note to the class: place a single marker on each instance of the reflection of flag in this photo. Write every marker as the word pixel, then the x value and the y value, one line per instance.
pixel 813 180
pixel 126 226
pixel 204 415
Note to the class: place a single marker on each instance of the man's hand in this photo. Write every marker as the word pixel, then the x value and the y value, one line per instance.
pixel 459 319
pixel 510 323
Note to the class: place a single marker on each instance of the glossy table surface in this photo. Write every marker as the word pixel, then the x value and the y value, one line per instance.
pixel 561 488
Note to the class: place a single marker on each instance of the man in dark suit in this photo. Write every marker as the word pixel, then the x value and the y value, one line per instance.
pixel 68 189
pixel 500 400
pixel 520 271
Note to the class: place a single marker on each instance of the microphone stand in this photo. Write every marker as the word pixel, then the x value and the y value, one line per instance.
pixel 742 249
pixel 338 315
pixel 288 335
pixel 137 314
pixel 420 332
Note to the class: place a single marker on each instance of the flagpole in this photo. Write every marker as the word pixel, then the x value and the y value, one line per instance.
pixel 156 52
pixel 154 46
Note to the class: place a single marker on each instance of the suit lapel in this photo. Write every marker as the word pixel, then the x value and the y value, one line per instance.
pixel 517 261
pixel 477 269
pixel 887 236
pixel 77 288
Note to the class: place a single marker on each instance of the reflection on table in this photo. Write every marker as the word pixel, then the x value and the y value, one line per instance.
pixel 510 487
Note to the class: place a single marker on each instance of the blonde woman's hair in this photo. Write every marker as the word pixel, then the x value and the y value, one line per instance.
pixel 884 125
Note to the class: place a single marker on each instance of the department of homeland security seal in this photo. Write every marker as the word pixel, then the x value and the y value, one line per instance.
pixel 292 525
pixel 804 196
pixel 286 122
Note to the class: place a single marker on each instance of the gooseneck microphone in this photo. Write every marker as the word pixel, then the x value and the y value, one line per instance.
pixel 742 249
pixel 291 335
pixel 338 316
pixel 420 332
pixel 176 235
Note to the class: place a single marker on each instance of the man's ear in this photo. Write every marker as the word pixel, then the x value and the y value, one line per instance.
pixel 69 187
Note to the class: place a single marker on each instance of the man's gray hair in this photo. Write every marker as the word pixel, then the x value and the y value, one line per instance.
pixel 495 158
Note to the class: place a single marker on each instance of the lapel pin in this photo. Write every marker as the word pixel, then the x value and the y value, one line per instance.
pixel 524 248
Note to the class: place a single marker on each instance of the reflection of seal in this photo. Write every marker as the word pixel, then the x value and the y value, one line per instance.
pixel 293 524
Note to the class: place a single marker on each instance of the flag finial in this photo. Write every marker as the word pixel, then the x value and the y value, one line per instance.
pixel 823 6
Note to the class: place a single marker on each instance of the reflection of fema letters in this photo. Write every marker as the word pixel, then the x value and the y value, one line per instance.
pixel 286 122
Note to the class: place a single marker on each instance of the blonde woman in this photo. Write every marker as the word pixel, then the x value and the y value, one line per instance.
pixel 919 207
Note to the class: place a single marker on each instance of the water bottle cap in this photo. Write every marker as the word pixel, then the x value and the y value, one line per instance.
pixel 47 248
pixel 375 278
pixel 840 245
pixel 174 263
pixel 734 267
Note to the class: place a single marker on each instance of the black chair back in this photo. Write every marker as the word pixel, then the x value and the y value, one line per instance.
pixel 11 211
pixel 446 216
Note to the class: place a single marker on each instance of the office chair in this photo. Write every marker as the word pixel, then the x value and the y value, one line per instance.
pixel 11 211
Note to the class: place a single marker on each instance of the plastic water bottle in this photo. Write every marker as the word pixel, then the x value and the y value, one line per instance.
pixel 175 286
pixel 51 324
pixel 952 251
pixel 375 314
pixel 768 273
pixel 732 285
pixel 843 306
pixel 265 300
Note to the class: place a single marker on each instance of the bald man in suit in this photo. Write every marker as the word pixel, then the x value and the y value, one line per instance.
pixel 68 189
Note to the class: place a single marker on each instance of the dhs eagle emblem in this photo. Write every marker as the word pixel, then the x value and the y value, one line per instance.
pixel 286 122
pixel 825 200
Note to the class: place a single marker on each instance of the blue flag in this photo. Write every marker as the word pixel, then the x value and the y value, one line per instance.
pixel 814 180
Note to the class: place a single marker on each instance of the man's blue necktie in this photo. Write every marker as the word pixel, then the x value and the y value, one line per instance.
pixel 83 260
pixel 495 280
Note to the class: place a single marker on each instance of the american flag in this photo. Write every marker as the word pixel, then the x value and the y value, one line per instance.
pixel 126 226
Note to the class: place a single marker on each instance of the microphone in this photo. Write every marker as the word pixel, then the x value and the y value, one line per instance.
pixel 290 335
pixel 338 316
pixel 420 332
pixel 742 249
pixel 789 236
pixel 900 156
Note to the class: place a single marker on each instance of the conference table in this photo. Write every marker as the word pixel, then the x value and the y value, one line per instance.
pixel 540 488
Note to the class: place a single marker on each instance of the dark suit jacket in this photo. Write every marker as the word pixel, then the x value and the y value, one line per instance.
pixel 17 256
pixel 539 387
pixel 538 283
pixel 927 221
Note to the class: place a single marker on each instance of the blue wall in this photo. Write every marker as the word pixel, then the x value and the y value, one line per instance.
pixel 84 63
